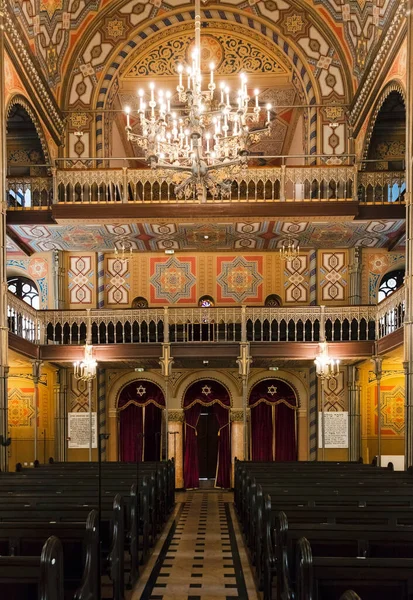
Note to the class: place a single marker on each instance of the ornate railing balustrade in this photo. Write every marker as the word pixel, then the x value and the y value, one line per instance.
pixel 23 320
pixel 320 183
pixel 213 325
pixel 390 313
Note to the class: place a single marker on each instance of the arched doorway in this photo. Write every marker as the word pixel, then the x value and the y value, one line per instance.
pixel 211 398
pixel 273 405
pixel 140 421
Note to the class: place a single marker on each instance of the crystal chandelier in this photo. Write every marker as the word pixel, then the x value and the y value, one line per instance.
pixel 290 251
pixel 205 143
pixel 124 253
pixel 326 367
pixel 85 370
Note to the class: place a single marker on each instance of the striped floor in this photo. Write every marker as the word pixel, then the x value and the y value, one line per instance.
pixel 201 555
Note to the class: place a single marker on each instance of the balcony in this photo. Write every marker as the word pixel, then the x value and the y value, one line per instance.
pixel 312 184
pixel 207 326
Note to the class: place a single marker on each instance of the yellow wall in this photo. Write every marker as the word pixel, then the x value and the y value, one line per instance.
pixel 22 411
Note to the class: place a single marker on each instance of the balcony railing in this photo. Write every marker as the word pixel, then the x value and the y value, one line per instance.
pixel 214 325
pixel 319 183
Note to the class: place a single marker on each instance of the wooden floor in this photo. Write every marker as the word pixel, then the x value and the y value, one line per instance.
pixel 201 555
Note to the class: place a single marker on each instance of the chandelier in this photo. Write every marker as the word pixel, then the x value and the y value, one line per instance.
pixel 85 370
pixel 124 253
pixel 205 143
pixel 326 367
pixel 290 251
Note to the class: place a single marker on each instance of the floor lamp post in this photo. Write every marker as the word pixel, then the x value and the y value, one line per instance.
pixel 326 368
pixel 244 363
pixel 85 370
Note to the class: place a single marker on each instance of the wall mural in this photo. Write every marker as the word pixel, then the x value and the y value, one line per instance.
pixel 173 280
pixel 376 264
pixel 81 275
pixel 297 279
pixel 333 276
pixel 117 276
pixel 239 279
pixel 35 268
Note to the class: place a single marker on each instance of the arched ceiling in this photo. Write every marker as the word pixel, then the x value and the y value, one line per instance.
pixel 58 30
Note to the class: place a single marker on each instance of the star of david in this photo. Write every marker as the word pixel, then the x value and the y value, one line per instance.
pixel 141 391
pixel 272 390
pixel 206 390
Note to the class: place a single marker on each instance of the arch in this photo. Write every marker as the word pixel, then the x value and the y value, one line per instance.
pixel 139 302
pixel 115 390
pixel 207 392
pixel 392 86
pixel 255 26
pixel 20 284
pixel 24 103
pixel 140 407
pixel 274 405
pixel 273 300
pixel 223 379
pixel 290 378
pixel 206 301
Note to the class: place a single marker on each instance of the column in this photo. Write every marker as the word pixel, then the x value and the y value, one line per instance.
pixel 57 417
pixel 36 366
pixel 176 444
pixel 101 391
pixel 355 276
pixel 408 321
pixel 237 437
pixel 313 403
pixel 4 369
pixel 113 426
pixel 101 280
pixel 354 414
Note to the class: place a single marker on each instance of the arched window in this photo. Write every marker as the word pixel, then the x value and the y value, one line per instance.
pixel 206 302
pixel 390 283
pixel 272 301
pixel 24 288
pixel 140 302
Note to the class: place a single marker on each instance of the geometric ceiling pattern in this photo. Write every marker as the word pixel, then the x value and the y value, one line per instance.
pixel 199 235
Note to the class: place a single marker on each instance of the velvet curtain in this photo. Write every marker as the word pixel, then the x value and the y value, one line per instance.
pixel 223 478
pixel 191 467
pixel 153 424
pixel 206 393
pixel 140 407
pixel 131 424
pixel 266 396
pixel 262 432
pixel 285 437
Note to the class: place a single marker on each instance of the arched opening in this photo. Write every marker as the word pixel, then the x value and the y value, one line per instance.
pixel 273 405
pixel 390 282
pixel 272 301
pixel 206 302
pixel 388 138
pixel 206 401
pixel 140 302
pixel 25 157
pixel 25 289
pixel 140 421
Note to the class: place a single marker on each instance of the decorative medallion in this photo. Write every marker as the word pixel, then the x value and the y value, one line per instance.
pixel 272 390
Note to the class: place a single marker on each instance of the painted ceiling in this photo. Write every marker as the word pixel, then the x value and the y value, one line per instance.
pixel 201 236
pixel 56 29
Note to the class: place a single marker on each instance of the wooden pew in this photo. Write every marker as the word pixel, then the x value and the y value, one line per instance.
pixel 326 578
pixel 362 541
pixel 32 577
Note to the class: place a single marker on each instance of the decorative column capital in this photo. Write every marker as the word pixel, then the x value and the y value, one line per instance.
pixel 176 416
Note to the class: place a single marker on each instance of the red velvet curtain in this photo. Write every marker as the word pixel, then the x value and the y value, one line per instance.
pixel 223 478
pixel 136 397
pixel 153 424
pixel 285 436
pixel 191 467
pixel 131 424
pixel 261 432
pixel 279 395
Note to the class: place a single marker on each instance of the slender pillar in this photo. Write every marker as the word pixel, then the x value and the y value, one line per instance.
pixel 166 361
pixel 354 413
pixel 313 277
pixel 4 369
pixel 377 361
pixel 244 362
pixel 355 276
pixel 57 417
pixel 323 428
pixel 89 391
pixel 408 321
pixel 36 376
pixel 61 427
pixel 101 281
pixel 313 400
pixel 101 381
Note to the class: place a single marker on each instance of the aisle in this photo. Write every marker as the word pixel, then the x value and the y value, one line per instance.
pixel 202 556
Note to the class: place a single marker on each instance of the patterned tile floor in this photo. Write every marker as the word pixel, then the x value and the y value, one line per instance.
pixel 201 555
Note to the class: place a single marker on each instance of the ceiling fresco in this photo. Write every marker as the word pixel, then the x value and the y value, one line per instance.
pixel 198 236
